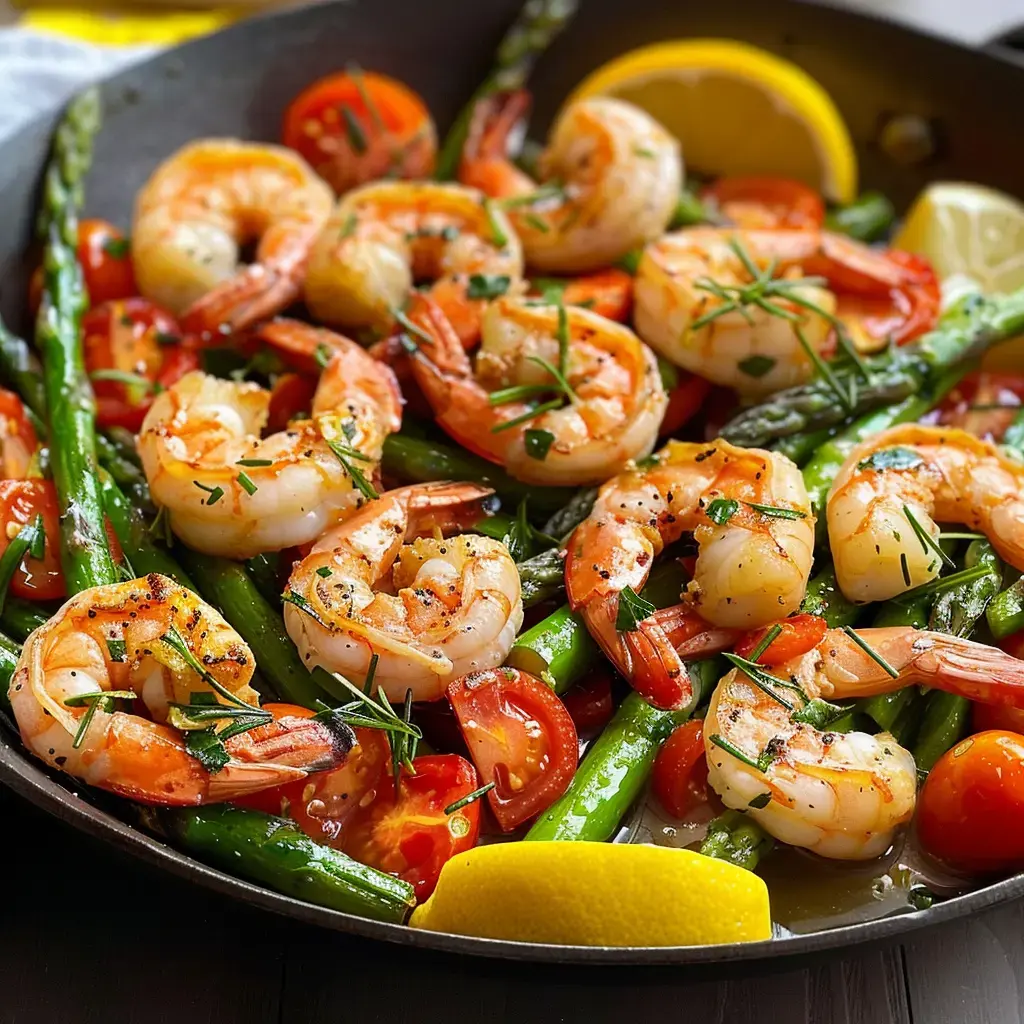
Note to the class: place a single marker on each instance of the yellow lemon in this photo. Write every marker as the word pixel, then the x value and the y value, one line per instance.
pixel 737 110
pixel 596 894
pixel 121 28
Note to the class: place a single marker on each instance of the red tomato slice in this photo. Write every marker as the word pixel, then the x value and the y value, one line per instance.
pixel 520 737
pixel 355 127
pixel 589 702
pixel 410 835
pixel 684 402
pixel 680 774
pixel 970 813
pixel 760 203
pixel 132 336
pixel 20 502
pixel 322 803
pixel 18 439
pixel 291 395
pixel 800 634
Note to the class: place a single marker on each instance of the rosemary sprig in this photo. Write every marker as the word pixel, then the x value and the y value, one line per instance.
pixel 928 542
pixel 870 651
pixel 345 454
pixel 764 681
pixel 469 798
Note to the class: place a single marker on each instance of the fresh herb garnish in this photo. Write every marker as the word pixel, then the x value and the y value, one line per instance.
pixel 550 190
pixel 117 649
pixel 766 641
pixel 764 759
pixel 764 681
pixel 117 247
pixel 498 235
pixel 532 413
pixel 941 584
pixel 524 540
pixel 870 651
pixel 254 463
pixel 348 229
pixel 29 540
pixel 776 511
pixel 756 366
pixel 469 798
pixel 208 749
pixel 215 493
pixel 928 542
pixel 414 329
pixel 891 458
pixel 537 443
pixel 819 714
pixel 533 221
pixel 487 286
pixel 132 380
pixel 105 700
pixel 353 129
pixel 345 454
pixel 721 510
pixel 245 482
pixel 324 572
pixel 760 801
pixel 633 609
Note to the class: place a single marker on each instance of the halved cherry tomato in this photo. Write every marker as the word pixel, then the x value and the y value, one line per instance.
pixel 760 203
pixel 132 336
pixel 18 439
pixel 291 395
pixel 970 814
pixel 800 634
pixel 684 402
pixel 984 403
pixel 589 702
pixel 322 803
pixel 520 737
pixel 355 127
pixel 409 835
pixel 680 774
pixel 20 502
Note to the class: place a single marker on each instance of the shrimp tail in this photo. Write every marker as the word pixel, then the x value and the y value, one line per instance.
pixel 691 635
pixel 485 164
pixel 255 294
pixel 969 669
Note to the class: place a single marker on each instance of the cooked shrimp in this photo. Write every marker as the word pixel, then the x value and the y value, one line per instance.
pixel 450 606
pixel 231 492
pixel 384 237
pixel 841 795
pixel 885 501
pixel 612 416
pixel 206 201
pixel 159 641
pixel 612 178
pixel 751 517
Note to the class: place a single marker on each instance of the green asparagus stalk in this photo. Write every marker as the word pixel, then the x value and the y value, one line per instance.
pixel 9 653
pixel 737 838
pixel 85 553
pixel 1005 615
pixel 943 724
pixel 964 333
pixel 19 367
pixel 823 597
pixel 956 611
pixel 20 618
pixel 538 25
pixel 264 572
pixel 868 218
pixel 276 852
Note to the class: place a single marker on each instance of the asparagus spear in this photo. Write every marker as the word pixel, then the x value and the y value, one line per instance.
pixel 737 838
pixel 964 333
pixel 868 218
pixel 20 367
pixel 538 25
pixel 85 553
pixel 9 652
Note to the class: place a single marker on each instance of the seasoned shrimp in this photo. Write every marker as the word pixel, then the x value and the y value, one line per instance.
pixel 231 492
pixel 842 795
pixel 159 641
pixel 613 415
pixel 885 501
pixel 751 517
pixel 612 178
pixel 450 607
pixel 206 201
pixel 385 237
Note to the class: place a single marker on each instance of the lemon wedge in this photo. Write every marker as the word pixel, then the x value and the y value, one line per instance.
pixel 737 110
pixel 125 28
pixel 596 894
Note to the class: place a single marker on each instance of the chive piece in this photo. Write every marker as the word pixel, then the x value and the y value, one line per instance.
pixel 943 583
pixel 117 649
pixel 756 366
pixel 348 229
pixel 134 380
pixel 819 714
pixel 322 354
pixel 891 458
pixel 538 443
pixel 633 609
pixel 905 566
pixel 498 235
pixel 730 748
pixel 560 379
pixel 345 454
pixel 766 641
pixel 487 286
pixel 764 681
pixel 469 798
pixel 517 393
pixel 254 463
pixel 354 130
pixel 324 572
pixel 533 413
pixel 117 248
pixel 721 510
pixel 870 651
pixel 760 801
pixel 928 542
pixel 246 483
pixel 775 511
pixel 215 493
pixel 415 330
pixel 533 221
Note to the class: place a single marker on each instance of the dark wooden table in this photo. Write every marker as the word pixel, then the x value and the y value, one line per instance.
pixel 88 936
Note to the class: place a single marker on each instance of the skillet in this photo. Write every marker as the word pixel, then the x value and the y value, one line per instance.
pixel 238 83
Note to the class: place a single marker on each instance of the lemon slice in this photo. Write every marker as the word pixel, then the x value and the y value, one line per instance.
pixel 119 28
pixel 737 110
pixel 970 233
pixel 596 894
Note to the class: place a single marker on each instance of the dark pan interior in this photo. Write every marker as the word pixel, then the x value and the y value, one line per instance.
pixel 238 83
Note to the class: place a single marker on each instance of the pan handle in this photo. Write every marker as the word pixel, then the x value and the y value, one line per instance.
pixel 1009 44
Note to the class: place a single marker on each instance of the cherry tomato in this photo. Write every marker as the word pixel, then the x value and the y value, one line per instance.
pixel 355 127
pixel 20 502
pixel 800 634
pixel 322 803
pixel 680 774
pixel 589 702
pixel 609 293
pixel 684 402
pixel 291 395
pixel 132 336
pixel 520 737
pixel 760 203
pixel 984 403
pixel 18 439
pixel 970 813
pixel 410 835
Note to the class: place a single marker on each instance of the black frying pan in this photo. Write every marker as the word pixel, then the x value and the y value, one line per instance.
pixel 239 82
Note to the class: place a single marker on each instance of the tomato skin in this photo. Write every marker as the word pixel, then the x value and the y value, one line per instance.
pixel 410 836
pixel 680 774
pixel 20 502
pixel 684 402
pixel 291 394
pixel 767 203
pixel 18 441
pixel 800 634
pixel 105 255
pixel 135 336
pixel 589 702
pixel 970 812
pixel 609 293
pixel 395 135
pixel 531 768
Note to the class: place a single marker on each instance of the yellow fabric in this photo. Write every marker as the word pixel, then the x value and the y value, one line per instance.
pixel 129 27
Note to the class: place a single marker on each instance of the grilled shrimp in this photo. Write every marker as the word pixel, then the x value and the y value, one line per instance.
pixel 230 491
pixel 451 606
pixel 160 642
pixel 617 398
pixel 612 178
pixel 206 201
pixel 883 506
pixel 842 795
pixel 751 517
pixel 384 237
